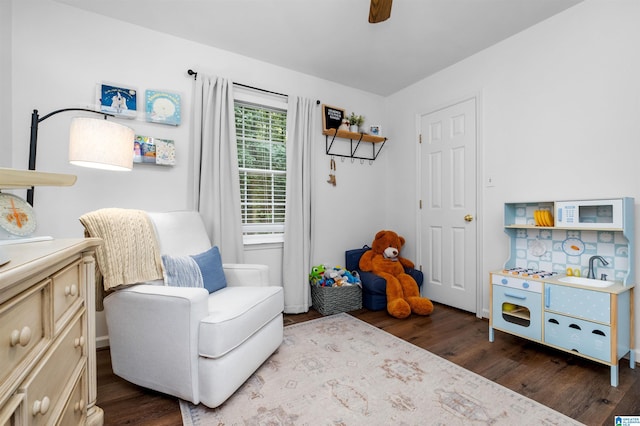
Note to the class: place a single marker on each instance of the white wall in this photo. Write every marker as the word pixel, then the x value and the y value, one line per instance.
pixel 5 83
pixel 61 53
pixel 560 117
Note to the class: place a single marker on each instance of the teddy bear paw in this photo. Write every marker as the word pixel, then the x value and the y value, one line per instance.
pixel 420 305
pixel 399 308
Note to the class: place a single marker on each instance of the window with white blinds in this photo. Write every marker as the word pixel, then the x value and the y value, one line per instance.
pixel 262 163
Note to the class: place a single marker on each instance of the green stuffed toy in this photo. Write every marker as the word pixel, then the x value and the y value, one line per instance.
pixel 316 275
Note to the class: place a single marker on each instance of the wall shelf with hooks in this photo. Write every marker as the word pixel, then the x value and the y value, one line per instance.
pixel 355 139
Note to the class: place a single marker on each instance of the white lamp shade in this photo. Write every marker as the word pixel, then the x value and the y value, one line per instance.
pixel 100 144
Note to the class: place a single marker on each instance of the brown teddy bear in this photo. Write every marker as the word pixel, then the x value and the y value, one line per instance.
pixel 403 294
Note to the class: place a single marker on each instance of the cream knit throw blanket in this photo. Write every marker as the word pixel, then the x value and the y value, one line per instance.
pixel 130 253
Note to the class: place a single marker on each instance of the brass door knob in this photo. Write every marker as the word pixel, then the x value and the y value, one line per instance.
pixel 468 218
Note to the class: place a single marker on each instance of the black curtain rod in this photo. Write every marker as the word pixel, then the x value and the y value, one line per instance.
pixel 246 86
pixel 195 76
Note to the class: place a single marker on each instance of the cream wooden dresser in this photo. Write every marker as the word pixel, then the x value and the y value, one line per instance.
pixel 47 334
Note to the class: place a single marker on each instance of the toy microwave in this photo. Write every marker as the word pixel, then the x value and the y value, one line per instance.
pixel 600 214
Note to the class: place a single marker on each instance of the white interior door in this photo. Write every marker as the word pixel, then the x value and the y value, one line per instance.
pixel 448 198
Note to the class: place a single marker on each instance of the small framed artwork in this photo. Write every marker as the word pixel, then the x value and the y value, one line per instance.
pixel 150 150
pixel 162 107
pixel 375 130
pixel 118 100
pixel 332 117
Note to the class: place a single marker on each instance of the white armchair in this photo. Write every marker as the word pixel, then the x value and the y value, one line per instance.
pixel 186 342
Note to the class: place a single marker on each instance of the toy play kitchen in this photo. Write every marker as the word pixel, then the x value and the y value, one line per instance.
pixel 569 279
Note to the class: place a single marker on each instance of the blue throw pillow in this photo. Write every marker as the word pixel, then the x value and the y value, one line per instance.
pixel 200 270
pixel 210 263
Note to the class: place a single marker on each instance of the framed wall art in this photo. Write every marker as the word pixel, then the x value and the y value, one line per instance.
pixel 118 100
pixel 162 107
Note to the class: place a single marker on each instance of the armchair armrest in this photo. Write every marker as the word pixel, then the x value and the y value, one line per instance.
pixel 415 273
pixel 153 334
pixel 246 274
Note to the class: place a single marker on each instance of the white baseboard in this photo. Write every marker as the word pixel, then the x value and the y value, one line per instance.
pixel 102 342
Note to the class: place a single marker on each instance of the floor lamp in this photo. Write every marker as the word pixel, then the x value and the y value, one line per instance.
pixel 93 143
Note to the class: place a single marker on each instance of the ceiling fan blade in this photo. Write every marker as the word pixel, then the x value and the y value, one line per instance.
pixel 379 11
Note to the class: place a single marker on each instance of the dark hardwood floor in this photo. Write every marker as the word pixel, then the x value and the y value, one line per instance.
pixel 571 385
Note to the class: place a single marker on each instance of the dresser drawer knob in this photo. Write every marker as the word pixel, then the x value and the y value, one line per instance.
pixel 71 290
pixel 79 341
pixel 78 406
pixel 41 407
pixel 22 337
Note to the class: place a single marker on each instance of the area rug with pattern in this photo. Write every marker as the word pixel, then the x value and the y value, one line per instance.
pixel 339 370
